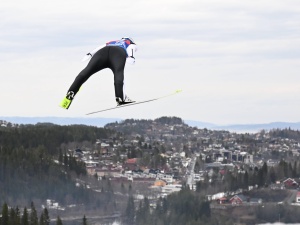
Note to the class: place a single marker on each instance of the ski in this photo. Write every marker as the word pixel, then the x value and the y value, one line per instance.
pixel 135 103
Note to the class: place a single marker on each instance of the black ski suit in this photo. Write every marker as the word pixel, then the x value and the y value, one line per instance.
pixel 112 57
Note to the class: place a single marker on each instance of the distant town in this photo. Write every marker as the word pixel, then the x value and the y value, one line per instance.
pixel 191 155
pixel 160 157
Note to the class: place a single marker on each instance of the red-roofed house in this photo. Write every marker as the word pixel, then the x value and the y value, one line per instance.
pixel 133 160
pixel 222 200
pixel 238 199
pixel 130 164
pixel 290 183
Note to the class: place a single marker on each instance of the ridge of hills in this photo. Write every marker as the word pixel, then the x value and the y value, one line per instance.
pixel 101 122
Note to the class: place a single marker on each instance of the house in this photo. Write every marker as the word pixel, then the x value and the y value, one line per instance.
pixel 255 201
pixel 108 172
pixel 91 170
pixel 78 153
pixel 130 164
pixel 290 183
pixel 160 183
pixel 238 199
pixel 144 180
pixel 222 200
pixel 170 188
pixel 104 151
pixel 120 180
pixel 298 197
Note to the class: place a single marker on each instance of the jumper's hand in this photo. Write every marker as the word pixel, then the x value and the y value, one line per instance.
pixel 130 60
pixel 87 57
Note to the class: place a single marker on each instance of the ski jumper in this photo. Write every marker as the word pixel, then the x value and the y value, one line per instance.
pixel 113 55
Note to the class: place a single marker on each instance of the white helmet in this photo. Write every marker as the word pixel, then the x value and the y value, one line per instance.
pixel 128 38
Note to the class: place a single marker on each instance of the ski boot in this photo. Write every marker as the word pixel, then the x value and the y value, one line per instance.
pixel 66 102
pixel 123 102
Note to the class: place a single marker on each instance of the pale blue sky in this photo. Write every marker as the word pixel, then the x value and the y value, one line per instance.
pixel 236 61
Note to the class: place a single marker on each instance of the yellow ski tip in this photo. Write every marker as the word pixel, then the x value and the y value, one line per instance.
pixel 178 91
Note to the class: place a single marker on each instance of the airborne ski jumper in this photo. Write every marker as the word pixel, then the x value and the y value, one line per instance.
pixel 114 55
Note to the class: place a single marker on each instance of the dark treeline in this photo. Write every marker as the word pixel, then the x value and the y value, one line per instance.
pixel 28 216
pixel 49 136
pixel 285 133
pixel 185 207
pixel 32 173
pixel 140 126
pixel 34 164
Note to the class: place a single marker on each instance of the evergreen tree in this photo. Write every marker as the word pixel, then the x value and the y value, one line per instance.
pixel 12 216
pixel 5 216
pixel 146 205
pixel 281 170
pixel 143 212
pixel 139 214
pixel 165 205
pixel 123 188
pixel 66 161
pixel 33 215
pixel 130 189
pixel 84 220
pixel 246 180
pixel 130 211
pixel 272 175
pixel 17 218
pixel 294 170
pixel 45 219
pixel 290 170
pixel 265 170
pixel 260 178
pixel 24 220
pixel 60 156
pixel 58 221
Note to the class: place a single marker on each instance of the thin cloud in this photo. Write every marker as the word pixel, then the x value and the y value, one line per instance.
pixel 221 53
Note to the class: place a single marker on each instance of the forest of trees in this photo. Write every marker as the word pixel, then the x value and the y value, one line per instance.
pixel 142 125
pixel 49 136
pixel 29 216
pixel 285 133
pixel 34 164
pixel 14 216
pixel 185 207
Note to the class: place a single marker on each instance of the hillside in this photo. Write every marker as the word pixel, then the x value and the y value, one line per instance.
pixel 35 163
pixel 111 171
pixel 101 122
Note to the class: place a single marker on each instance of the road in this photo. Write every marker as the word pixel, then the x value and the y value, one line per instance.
pixel 190 172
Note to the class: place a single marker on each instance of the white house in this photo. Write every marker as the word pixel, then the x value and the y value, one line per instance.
pixel 298 197
pixel 170 188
